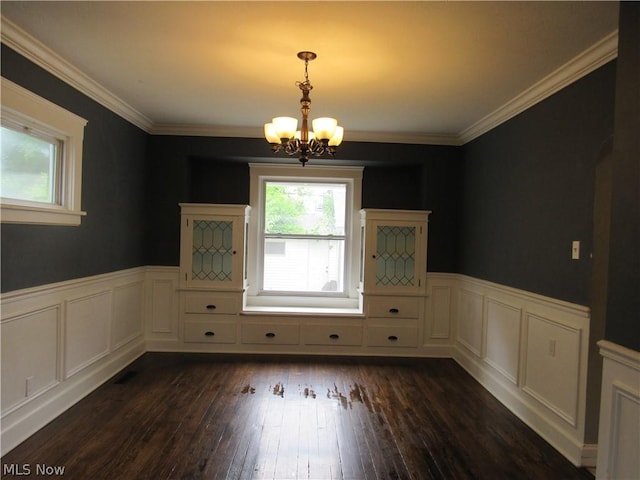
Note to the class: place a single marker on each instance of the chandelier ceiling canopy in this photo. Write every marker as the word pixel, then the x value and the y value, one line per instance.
pixel 282 132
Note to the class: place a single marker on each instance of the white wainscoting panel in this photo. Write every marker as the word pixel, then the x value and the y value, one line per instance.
pixel 619 432
pixel 87 334
pixel 437 329
pixel 30 345
pixel 128 317
pixel 162 309
pixel 61 341
pixel 161 314
pixel 552 369
pixel 441 311
pixel 502 338
pixel 530 352
pixel 470 320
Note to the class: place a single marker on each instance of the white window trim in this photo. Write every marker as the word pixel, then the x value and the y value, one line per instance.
pixel 28 109
pixel 261 172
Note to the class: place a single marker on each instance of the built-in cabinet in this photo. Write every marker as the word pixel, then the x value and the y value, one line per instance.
pixel 393 275
pixel 212 271
pixel 213 282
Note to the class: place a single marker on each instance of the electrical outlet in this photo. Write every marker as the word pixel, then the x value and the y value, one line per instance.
pixel 575 250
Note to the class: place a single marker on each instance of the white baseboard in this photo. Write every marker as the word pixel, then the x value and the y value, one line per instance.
pixel 589 455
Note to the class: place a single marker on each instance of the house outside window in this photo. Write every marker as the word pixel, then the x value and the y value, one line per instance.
pixel 304 236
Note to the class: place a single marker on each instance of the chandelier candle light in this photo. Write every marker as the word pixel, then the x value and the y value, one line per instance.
pixel 282 132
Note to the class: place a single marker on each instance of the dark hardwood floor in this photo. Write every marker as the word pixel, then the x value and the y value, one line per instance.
pixel 196 416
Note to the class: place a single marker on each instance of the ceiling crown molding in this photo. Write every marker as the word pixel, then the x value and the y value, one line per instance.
pixel 35 51
pixel 206 130
pixel 586 62
pixel 402 137
pixel 583 64
pixel 256 132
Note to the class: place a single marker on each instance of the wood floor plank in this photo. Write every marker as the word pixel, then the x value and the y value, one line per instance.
pixel 199 416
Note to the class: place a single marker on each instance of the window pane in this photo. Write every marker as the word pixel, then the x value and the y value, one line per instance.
pixel 304 265
pixel 28 167
pixel 305 208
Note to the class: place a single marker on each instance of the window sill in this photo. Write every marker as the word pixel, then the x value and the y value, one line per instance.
pixel 266 305
pixel 12 213
pixel 297 311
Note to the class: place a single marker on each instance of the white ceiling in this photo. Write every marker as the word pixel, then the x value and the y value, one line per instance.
pixel 418 72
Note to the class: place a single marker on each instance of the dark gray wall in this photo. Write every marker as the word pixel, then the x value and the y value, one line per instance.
pixel 528 188
pixel 113 180
pixel 623 300
pixel 215 170
pixel 505 207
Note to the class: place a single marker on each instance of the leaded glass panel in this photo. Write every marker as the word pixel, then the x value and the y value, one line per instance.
pixel 212 253
pixel 395 255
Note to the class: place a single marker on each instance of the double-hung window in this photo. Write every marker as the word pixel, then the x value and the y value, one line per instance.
pixel 303 249
pixel 31 164
pixel 41 163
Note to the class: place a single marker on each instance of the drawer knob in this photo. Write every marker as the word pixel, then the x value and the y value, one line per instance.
pixel 334 336
pixel 211 307
pixel 393 310
pixel 209 334
pixel 392 338
pixel 269 334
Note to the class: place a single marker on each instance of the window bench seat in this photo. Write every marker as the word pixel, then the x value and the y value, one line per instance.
pixel 297 311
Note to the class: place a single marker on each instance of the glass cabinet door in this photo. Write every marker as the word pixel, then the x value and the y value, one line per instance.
pixel 212 251
pixel 395 251
pixel 395 255
pixel 212 246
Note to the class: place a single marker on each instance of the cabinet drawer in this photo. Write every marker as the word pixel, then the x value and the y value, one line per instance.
pixel 332 334
pixel 270 333
pixel 392 336
pixel 213 303
pixel 210 332
pixel 389 307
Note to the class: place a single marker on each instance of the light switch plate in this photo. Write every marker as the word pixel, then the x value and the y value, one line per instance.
pixel 575 250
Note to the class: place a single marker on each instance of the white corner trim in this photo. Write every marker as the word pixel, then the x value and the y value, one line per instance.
pixel 584 63
pixel 34 50
pixel 620 354
pixel 527 296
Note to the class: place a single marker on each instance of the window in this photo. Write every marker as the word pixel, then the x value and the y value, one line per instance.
pixel 304 236
pixel 41 162
pixel 30 164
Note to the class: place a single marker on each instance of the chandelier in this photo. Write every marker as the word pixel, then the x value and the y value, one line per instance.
pixel 282 132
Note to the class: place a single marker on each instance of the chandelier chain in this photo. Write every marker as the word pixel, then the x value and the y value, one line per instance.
pixel 306 84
